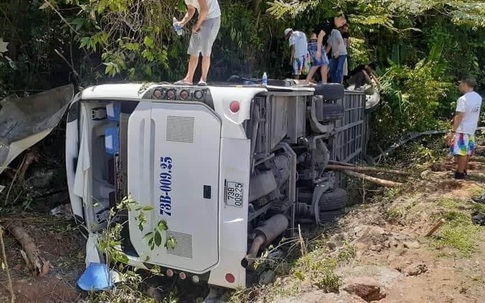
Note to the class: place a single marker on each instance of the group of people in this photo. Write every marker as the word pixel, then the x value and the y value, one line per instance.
pixel 327 50
pixel 326 40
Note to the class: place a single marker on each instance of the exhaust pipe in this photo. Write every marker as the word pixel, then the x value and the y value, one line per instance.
pixel 258 242
pixel 265 234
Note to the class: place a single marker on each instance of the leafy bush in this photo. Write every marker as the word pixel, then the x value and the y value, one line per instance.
pixel 421 47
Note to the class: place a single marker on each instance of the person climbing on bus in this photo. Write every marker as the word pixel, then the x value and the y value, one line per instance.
pixel 362 74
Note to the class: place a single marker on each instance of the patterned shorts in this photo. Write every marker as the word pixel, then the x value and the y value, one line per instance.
pixel 463 145
pixel 301 65
pixel 312 50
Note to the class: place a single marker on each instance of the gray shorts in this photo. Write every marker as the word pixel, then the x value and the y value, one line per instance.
pixel 202 41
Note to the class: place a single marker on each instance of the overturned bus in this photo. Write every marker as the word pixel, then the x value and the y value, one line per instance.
pixel 230 168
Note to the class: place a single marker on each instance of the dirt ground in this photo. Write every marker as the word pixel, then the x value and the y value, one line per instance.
pixel 393 260
pixel 409 265
pixel 61 244
pixel 390 254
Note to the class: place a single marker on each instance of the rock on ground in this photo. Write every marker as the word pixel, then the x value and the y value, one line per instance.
pixel 365 287
pixel 415 269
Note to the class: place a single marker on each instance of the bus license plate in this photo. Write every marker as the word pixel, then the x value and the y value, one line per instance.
pixel 234 194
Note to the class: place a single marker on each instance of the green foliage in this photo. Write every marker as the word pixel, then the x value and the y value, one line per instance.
pixel 128 291
pixel 281 9
pixel 110 245
pixel 29 64
pixel 320 271
pixel 394 215
pixel 154 237
pixel 421 47
pixel 346 253
pixel 132 38
pixel 414 96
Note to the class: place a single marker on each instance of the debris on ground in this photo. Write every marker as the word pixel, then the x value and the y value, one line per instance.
pixel 58 244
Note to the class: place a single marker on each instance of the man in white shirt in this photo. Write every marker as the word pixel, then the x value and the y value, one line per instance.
pixel 204 33
pixel 299 59
pixel 462 135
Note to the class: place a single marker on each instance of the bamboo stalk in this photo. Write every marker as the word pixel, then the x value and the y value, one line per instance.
pixel 367 169
pixel 340 163
pixel 382 182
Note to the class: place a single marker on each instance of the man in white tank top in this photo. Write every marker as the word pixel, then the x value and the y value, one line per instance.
pixel 204 33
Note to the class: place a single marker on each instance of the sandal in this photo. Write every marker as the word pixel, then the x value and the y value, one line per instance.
pixel 182 82
pixel 202 83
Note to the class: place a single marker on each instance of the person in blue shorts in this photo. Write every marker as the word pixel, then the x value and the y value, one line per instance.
pixel 299 58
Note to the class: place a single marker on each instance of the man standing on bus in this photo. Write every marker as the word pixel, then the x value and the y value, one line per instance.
pixel 299 58
pixel 204 33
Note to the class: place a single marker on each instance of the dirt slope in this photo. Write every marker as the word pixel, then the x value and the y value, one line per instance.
pixel 379 251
